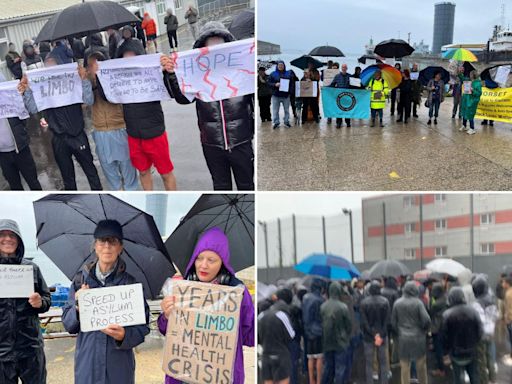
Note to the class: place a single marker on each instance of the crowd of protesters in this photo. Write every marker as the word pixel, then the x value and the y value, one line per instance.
pixel 130 139
pixel 315 334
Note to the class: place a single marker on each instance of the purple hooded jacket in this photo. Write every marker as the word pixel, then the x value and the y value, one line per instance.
pixel 215 240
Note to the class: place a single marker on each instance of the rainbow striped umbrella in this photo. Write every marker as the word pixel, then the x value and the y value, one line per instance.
pixel 390 74
pixel 460 54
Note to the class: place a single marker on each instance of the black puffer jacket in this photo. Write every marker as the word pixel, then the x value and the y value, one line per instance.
pixel 375 314
pixel 223 124
pixel 275 329
pixel 20 335
pixel 461 329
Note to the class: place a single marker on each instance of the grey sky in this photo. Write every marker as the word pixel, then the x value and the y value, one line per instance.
pixel 348 25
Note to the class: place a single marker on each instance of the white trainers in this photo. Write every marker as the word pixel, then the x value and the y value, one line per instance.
pixel 462 129
pixel 471 131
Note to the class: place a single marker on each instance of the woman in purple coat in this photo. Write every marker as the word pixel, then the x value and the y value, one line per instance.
pixel 210 264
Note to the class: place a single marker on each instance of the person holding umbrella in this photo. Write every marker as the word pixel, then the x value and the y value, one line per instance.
pixel 104 356
pixel 21 343
pixel 472 91
pixel 405 97
pixel 210 264
pixel 435 88
pixel 394 94
pixel 417 89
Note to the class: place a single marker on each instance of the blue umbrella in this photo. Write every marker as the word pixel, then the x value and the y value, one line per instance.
pixel 327 265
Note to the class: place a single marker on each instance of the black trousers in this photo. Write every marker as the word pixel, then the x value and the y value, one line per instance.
pixel 64 148
pixel 29 370
pixel 172 36
pixel 404 108
pixel 312 103
pixel 240 161
pixel 393 101
pixel 264 103
pixel 15 164
pixel 339 122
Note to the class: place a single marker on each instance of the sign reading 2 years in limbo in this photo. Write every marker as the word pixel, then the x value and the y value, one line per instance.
pixel 202 332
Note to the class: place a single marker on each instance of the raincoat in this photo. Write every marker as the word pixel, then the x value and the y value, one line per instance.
pixel 100 359
pixel 470 102
pixel 411 322
pixel 215 240
pixel 20 333
pixel 336 323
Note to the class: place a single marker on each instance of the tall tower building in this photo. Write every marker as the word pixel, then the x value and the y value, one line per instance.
pixel 156 206
pixel 444 19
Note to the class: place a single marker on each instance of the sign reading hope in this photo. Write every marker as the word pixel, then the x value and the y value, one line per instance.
pixel 136 79
pixel 202 332
pixel 11 101
pixel 56 86
pixel 16 281
pixel 122 305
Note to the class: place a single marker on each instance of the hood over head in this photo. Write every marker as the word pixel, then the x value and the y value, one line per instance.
pixel 391 283
pixel 131 45
pixel 213 29
pixel 437 290
pixel 335 290
pixel 480 286
pixel 128 28
pixel 374 289
pixel 96 39
pixel 464 277
pixel 411 289
pixel 280 62
pixel 11 225
pixel 456 296
pixel 216 241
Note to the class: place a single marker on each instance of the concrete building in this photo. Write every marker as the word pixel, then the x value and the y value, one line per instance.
pixel 453 225
pixel 444 19
pixel 156 206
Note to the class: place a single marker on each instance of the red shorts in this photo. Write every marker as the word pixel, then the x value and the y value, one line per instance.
pixel 147 152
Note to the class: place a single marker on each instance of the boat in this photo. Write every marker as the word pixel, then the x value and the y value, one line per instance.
pixel 369 47
pixel 501 40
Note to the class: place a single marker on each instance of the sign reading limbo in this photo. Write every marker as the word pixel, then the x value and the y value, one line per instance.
pixel 346 103
pixel 202 332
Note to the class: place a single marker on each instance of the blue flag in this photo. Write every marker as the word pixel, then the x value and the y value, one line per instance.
pixel 346 103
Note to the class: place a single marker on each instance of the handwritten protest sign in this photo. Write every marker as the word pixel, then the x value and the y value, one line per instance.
pixel 56 86
pixel 122 305
pixel 16 281
pixel 218 72
pixel 202 332
pixel 136 79
pixel 329 75
pixel 11 101
pixel 306 89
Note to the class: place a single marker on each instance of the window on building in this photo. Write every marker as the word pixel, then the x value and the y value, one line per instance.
pixel 440 224
pixel 178 4
pixel 487 218
pixel 441 251
pixel 161 7
pixel 487 248
pixel 410 253
pixel 410 227
pixel 440 197
pixel 4 43
pixel 409 201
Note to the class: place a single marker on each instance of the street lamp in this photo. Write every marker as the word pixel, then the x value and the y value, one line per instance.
pixel 264 225
pixel 348 212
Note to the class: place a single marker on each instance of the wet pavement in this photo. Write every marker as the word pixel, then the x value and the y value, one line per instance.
pixel 397 157
pixel 181 124
pixel 148 361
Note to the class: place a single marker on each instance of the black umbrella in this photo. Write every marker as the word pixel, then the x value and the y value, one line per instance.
pixel 234 214
pixel 488 75
pixel 65 226
pixel 242 26
pixel 371 56
pixel 389 268
pixel 85 18
pixel 326 51
pixel 304 61
pixel 428 73
pixel 468 67
pixel 393 48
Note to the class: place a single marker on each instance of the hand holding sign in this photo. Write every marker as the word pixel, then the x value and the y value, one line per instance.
pixel 35 300
pixel 115 331
pixel 77 293
pixel 82 72
pixel 167 305
pixel 23 85
pixel 167 63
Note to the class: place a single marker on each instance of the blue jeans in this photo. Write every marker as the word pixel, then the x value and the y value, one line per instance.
pixel 121 175
pixel 471 123
pixel 438 350
pixel 374 113
pixel 471 369
pixel 276 102
pixel 381 357
pixel 434 108
pixel 334 367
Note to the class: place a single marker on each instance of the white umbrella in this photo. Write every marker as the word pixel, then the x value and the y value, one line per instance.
pixel 265 291
pixel 446 266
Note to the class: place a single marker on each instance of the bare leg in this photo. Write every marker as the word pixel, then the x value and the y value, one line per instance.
pixel 319 366
pixel 311 371
pixel 169 181
pixel 146 180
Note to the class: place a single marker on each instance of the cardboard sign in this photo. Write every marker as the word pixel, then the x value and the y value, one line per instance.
pixel 329 75
pixel 466 88
pixel 202 332
pixel 11 101
pixel 501 76
pixel 284 85
pixel 122 305
pixel 218 72
pixel 415 75
pixel 136 79
pixel 354 82
pixel 306 89
pixel 16 281
pixel 55 87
